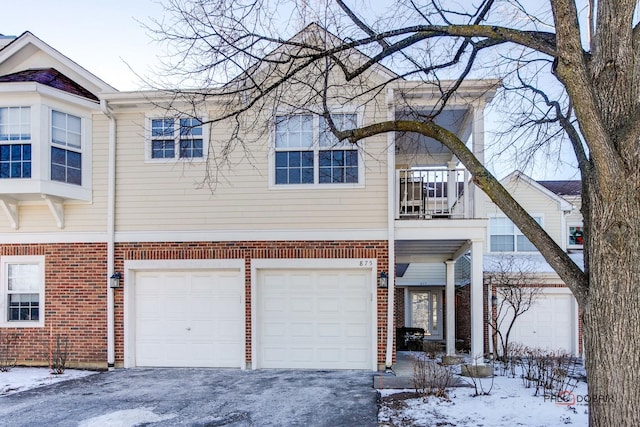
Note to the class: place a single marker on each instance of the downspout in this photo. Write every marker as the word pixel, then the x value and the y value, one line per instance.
pixel 391 203
pixel 111 202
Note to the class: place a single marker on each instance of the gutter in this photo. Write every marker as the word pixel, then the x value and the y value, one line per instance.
pixel 391 185
pixel 111 202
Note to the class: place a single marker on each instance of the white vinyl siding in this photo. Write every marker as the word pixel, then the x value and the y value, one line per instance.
pixel 241 199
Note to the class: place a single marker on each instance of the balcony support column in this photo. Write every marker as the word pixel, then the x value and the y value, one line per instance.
pixel 451 307
pixel 477 306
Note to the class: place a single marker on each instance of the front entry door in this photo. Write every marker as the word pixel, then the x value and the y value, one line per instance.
pixel 426 312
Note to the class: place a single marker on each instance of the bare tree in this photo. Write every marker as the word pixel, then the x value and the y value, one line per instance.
pixel 572 66
pixel 516 291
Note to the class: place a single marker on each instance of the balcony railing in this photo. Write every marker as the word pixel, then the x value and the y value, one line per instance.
pixel 427 193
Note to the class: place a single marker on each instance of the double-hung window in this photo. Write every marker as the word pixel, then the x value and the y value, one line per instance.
pixel 23 290
pixel 15 142
pixel 66 148
pixel 176 138
pixel 307 152
pixel 506 237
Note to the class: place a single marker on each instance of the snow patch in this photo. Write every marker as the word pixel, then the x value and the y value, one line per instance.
pixel 21 379
pixel 126 418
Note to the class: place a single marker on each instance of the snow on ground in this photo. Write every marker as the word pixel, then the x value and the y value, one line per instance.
pixel 508 404
pixel 126 418
pixel 21 379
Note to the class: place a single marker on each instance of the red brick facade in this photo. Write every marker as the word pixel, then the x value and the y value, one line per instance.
pixel 75 303
pixel 253 250
pixel 76 288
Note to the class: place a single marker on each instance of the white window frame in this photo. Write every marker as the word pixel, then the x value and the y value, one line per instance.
pixel 148 145
pixel 574 224
pixel 316 153
pixel 516 233
pixel 5 261
pixel 23 139
pixel 67 147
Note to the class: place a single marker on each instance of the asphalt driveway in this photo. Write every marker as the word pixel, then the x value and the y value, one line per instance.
pixel 198 397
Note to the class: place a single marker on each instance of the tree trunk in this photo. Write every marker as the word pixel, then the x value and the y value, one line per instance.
pixel 612 311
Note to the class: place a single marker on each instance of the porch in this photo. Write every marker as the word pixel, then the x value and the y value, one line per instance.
pixel 435 259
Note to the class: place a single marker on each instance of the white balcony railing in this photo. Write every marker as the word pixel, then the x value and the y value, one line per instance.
pixel 426 193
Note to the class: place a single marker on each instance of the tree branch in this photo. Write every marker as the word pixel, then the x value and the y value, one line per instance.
pixel 559 260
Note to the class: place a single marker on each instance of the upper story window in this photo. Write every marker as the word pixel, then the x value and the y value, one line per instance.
pixel 171 138
pixel 504 236
pixel 66 148
pixel 307 152
pixel 576 236
pixel 15 142
pixel 23 291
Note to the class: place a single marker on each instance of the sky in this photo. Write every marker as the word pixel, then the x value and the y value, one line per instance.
pixel 102 36
pixel 107 38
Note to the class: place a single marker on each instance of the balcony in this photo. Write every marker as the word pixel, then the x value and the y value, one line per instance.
pixel 432 193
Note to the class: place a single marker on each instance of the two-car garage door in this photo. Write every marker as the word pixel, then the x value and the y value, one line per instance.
pixel 316 318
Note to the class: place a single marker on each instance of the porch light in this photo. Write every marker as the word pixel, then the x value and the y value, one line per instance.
pixel 383 280
pixel 114 280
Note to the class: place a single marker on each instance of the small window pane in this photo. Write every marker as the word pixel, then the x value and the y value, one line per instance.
pixel 23 277
pixel 342 122
pixel 66 129
pixel 23 307
pixel 294 131
pixel 524 245
pixel 502 243
pixel 162 149
pixel 576 236
pixel 162 127
pixel 15 161
pixel 281 160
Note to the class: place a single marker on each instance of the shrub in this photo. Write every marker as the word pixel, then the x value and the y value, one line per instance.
pixel 8 350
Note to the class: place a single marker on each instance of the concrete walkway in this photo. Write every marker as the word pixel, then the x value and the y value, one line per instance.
pixel 401 375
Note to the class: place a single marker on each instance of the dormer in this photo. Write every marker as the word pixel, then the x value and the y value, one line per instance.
pixel 46 107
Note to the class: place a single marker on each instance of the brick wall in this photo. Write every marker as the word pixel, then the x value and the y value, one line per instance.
pixel 75 303
pixel 249 250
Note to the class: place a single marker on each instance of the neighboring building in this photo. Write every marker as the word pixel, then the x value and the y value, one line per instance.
pixel 287 263
pixel 553 322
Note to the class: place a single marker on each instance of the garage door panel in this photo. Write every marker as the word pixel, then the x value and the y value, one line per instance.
pixel 313 319
pixel 548 324
pixel 304 305
pixel 189 318
pixel 328 305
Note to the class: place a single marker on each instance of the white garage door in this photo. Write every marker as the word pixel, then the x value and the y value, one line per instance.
pixel 189 318
pixel 549 324
pixel 317 319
